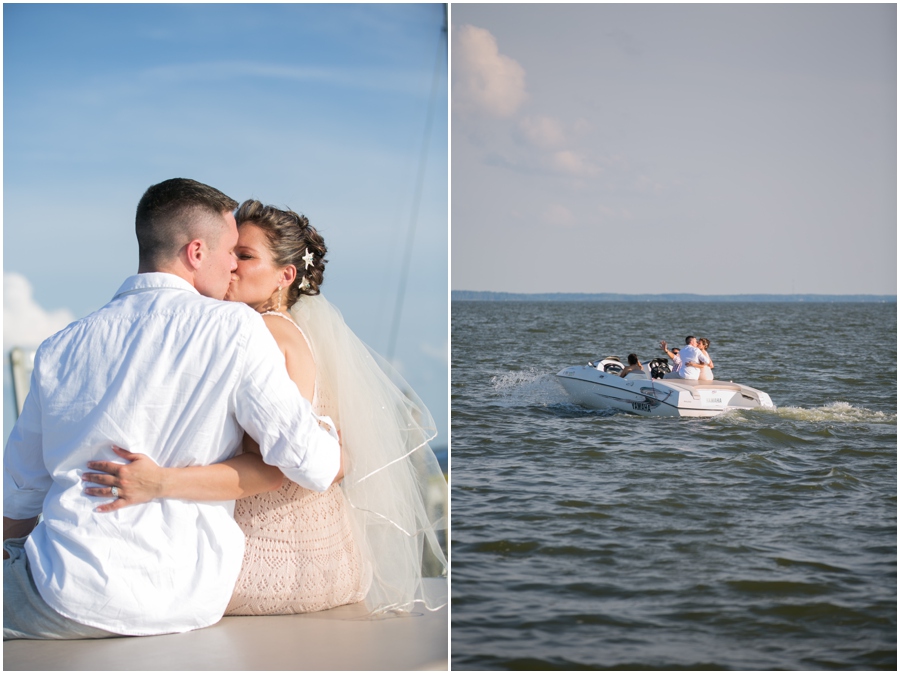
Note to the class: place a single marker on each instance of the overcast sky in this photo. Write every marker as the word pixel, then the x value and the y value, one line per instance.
pixel 321 108
pixel 714 149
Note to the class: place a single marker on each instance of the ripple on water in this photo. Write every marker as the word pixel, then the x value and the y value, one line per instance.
pixel 505 547
pixel 758 539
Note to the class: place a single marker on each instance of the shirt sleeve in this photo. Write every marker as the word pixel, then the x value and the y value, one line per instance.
pixel 269 407
pixel 26 480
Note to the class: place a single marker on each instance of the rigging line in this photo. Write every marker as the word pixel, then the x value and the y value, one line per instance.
pixel 417 198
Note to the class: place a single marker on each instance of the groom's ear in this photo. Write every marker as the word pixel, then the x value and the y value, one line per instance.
pixel 195 251
pixel 289 275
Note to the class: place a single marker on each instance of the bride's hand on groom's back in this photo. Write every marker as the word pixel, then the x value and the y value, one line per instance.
pixel 138 481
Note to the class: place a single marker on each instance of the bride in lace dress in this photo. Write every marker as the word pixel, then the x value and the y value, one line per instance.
pixel 362 539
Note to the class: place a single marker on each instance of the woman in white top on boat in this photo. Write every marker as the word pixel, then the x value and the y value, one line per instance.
pixel 706 374
pixel 308 551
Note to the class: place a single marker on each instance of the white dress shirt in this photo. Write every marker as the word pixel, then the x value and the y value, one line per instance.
pixel 163 371
pixel 690 354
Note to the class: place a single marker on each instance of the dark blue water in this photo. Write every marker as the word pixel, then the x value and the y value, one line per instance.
pixel 756 540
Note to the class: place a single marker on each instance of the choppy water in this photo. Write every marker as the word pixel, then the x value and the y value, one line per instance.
pixel 756 540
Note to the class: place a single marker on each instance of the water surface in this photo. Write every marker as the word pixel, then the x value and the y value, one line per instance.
pixel 754 540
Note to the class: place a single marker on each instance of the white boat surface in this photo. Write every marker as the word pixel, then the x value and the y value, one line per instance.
pixel 343 638
pixel 598 386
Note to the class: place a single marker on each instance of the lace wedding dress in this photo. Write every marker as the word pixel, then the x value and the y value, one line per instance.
pixel 299 554
pixel 364 539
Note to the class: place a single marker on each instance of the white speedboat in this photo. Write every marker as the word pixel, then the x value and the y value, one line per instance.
pixel 598 385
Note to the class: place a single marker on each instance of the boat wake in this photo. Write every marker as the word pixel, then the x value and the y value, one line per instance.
pixel 529 387
pixel 840 412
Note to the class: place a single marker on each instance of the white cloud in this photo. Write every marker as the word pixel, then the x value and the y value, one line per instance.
pixel 559 216
pixel 543 132
pixel 25 323
pixel 570 162
pixel 484 80
pixel 358 77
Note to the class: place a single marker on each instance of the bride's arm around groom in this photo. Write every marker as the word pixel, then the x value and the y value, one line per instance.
pixel 165 371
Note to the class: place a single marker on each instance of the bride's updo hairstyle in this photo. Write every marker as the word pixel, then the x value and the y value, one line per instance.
pixel 290 236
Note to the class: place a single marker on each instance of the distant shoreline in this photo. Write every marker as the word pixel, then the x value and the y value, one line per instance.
pixel 488 296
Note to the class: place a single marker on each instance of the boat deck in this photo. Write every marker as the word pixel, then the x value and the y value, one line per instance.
pixel 339 639
pixel 704 384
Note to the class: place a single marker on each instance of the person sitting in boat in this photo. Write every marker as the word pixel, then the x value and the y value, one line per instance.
pixel 693 360
pixel 706 373
pixel 634 365
pixel 673 354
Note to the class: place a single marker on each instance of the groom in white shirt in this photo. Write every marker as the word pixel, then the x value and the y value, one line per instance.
pixel 692 360
pixel 167 370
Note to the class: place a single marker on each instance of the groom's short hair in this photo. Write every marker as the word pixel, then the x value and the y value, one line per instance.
pixel 174 212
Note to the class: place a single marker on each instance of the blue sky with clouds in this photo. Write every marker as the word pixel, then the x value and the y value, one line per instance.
pixel 322 108
pixel 709 148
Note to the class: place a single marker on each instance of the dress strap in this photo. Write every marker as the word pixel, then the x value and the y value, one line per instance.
pixel 291 321
pixel 305 339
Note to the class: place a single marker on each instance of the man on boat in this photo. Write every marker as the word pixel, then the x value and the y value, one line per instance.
pixel 692 361
pixel 673 354
pixel 634 365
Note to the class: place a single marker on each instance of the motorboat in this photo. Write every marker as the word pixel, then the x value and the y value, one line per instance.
pixel 648 393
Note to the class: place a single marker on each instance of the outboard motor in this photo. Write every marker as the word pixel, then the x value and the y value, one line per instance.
pixel 659 367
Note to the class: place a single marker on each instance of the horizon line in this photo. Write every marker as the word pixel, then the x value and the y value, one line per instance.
pixel 562 294
pixel 597 292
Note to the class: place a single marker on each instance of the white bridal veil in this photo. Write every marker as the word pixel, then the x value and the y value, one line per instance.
pixel 392 481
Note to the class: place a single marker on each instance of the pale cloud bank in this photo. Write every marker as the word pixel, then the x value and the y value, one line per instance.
pixel 357 77
pixel 484 80
pixel 488 84
pixel 25 322
pixel 544 132
pixel 567 161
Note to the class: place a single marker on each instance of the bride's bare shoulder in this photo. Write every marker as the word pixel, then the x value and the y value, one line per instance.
pixel 298 357
pixel 285 331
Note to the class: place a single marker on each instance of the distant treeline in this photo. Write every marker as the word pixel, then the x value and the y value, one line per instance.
pixel 483 296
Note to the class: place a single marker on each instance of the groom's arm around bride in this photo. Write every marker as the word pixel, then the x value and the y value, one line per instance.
pixel 166 370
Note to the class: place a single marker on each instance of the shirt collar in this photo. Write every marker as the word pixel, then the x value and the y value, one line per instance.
pixel 154 281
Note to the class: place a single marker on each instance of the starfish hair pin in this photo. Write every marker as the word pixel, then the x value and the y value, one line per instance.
pixel 304 284
pixel 308 259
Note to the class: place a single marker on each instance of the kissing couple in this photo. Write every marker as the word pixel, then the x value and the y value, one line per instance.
pixel 192 457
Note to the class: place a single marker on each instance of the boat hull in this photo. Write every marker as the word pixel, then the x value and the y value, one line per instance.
pixel 647 397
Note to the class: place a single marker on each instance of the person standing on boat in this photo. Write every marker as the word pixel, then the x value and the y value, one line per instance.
pixel 693 360
pixel 673 354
